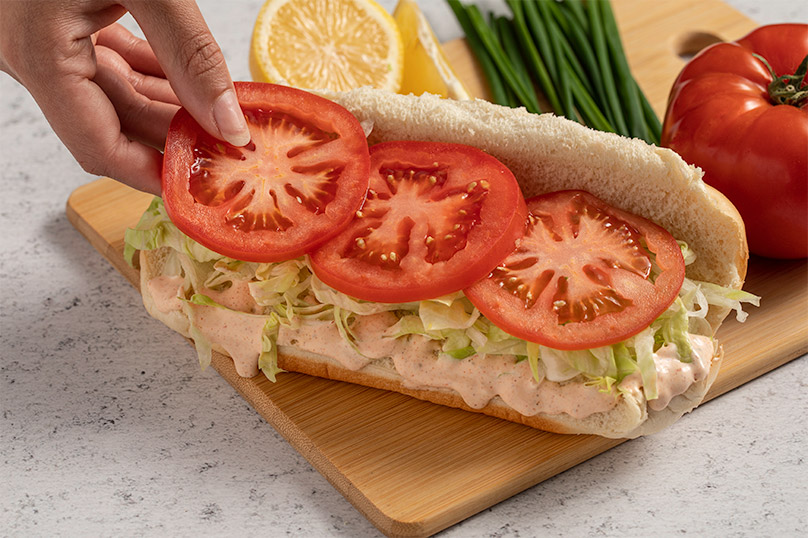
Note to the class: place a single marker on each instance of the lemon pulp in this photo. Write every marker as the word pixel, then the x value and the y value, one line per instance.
pixel 326 44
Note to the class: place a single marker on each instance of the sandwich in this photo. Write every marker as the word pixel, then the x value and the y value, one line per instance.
pixel 574 284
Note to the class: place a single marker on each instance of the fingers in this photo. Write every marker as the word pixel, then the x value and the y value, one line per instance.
pixel 194 63
pixel 83 117
pixel 137 52
pixel 87 123
pixel 134 67
pixel 47 45
pixel 143 112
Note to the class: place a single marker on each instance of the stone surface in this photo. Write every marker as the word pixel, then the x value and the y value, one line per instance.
pixel 109 428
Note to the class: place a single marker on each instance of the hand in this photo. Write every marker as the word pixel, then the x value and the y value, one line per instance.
pixel 110 96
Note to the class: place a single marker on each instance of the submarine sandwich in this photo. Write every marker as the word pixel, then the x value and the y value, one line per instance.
pixel 518 265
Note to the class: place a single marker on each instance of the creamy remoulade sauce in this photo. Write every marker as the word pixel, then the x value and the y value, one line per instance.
pixel 165 291
pixel 240 336
pixel 323 337
pixel 674 376
pixel 478 378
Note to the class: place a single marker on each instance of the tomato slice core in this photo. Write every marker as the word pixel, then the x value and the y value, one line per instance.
pixel 296 184
pixel 583 275
pixel 437 217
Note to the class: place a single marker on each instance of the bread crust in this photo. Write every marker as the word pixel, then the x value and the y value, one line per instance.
pixel 545 153
pixel 548 153
pixel 628 419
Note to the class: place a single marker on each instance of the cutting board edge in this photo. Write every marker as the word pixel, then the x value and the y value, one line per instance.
pixel 262 403
pixel 308 448
pixel 249 389
pixel 386 524
pixel 108 250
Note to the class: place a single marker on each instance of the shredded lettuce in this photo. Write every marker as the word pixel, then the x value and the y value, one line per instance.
pixel 533 355
pixel 728 298
pixel 204 351
pixel 288 293
pixel 268 359
pixel 643 344
pixel 327 295
pixel 155 230
pixel 437 315
pixel 673 327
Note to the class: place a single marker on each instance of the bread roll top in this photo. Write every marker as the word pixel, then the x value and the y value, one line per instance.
pixel 548 153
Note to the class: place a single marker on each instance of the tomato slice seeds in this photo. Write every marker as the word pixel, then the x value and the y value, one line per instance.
pixel 296 184
pixel 408 221
pixel 581 276
pixel 437 218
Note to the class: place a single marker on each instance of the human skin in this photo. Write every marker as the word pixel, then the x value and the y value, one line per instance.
pixel 109 95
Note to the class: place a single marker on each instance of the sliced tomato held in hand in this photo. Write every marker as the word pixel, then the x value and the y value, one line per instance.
pixel 437 218
pixel 296 184
pixel 581 276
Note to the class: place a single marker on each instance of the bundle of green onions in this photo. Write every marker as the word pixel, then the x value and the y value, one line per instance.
pixel 571 51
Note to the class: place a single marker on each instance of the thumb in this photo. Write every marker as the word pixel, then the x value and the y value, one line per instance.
pixel 194 65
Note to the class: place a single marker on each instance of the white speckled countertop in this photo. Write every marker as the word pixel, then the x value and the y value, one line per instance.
pixel 108 427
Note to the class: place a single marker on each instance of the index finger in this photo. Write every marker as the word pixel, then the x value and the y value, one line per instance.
pixel 194 64
pixel 134 50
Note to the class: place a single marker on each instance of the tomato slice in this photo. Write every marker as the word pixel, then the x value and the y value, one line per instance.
pixel 295 185
pixel 437 218
pixel 581 276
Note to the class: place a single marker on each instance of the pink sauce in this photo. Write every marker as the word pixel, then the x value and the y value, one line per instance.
pixel 165 291
pixel 322 337
pixel 240 336
pixel 477 379
pixel 674 377
pixel 480 378
pixel 236 297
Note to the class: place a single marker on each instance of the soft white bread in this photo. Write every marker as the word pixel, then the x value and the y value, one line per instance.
pixel 545 153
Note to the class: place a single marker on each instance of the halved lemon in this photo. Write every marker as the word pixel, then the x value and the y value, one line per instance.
pixel 326 44
pixel 426 68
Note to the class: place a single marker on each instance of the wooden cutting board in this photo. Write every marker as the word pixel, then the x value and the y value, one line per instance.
pixel 414 468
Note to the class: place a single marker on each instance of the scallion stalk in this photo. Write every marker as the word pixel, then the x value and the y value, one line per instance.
pixel 572 51
pixel 627 87
pixel 651 118
pixel 490 72
pixel 488 38
pixel 604 63
pixel 511 48
pixel 572 26
pixel 533 56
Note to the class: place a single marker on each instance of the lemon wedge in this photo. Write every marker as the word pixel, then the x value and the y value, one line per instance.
pixel 326 44
pixel 426 68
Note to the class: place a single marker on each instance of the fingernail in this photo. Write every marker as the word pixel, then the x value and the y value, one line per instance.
pixel 230 119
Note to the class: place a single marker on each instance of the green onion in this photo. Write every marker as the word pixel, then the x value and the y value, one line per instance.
pixel 488 38
pixel 552 57
pixel 511 48
pixel 534 58
pixel 592 116
pixel 651 119
pixel 571 50
pixel 577 13
pixel 626 86
pixel 604 63
pixel 575 28
pixel 486 63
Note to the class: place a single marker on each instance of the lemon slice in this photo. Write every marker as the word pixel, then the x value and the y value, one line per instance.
pixel 426 68
pixel 326 44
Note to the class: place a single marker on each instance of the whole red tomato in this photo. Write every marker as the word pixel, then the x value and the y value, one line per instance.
pixel 739 111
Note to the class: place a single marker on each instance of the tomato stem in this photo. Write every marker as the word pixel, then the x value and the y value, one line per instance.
pixel 788 89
